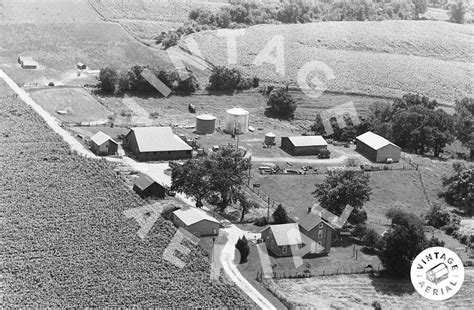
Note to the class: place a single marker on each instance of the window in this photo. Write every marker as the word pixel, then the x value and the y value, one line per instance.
pixel 320 234
pixel 321 226
pixel 284 249
pixel 319 242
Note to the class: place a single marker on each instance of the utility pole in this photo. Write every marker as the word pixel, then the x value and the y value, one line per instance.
pixel 268 210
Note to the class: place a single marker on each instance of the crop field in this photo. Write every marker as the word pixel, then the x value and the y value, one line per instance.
pixel 65 240
pixel 364 59
pixel 359 291
pixel 77 102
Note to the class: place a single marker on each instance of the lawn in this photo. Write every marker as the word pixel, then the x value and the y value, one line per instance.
pixel 422 56
pixel 77 102
pixel 65 239
pixel 359 291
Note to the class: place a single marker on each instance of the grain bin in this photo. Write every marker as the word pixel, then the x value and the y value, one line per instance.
pixel 270 138
pixel 237 119
pixel 205 124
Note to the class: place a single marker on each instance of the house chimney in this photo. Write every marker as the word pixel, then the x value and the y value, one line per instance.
pixel 309 209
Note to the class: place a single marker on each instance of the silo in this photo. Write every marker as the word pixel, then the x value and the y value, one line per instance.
pixel 205 124
pixel 237 120
pixel 270 138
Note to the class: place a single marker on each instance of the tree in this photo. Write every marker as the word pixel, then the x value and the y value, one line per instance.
pixel 460 188
pixel 281 103
pixel 370 238
pixel 437 216
pixel 192 179
pixel 421 6
pixel 464 122
pixel 243 247
pixel 342 188
pixel 108 78
pixel 402 243
pixel 223 78
pixel 246 204
pixel 280 216
pixel 457 12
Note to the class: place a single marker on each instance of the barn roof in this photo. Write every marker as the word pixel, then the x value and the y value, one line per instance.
pixel 144 181
pixel 374 141
pixel 100 138
pixel 158 139
pixel 191 216
pixel 307 140
pixel 286 234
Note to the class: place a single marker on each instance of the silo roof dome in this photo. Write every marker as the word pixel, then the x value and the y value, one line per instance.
pixel 237 111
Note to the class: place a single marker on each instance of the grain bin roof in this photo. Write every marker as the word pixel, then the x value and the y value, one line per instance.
pixel 206 117
pixel 158 139
pixel 286 234
pixel 237 111
pixel 100 138
pixel 270 134
pixel 191 216
pixel 307 140
pixel 374 141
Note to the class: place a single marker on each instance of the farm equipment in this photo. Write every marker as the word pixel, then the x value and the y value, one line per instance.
pixel 192 108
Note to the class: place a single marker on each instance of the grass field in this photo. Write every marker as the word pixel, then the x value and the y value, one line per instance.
pixel 376 58
pixel 359 291
pixel 79 104
pixel 65 240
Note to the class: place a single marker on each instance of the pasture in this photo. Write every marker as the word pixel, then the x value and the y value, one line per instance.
pixel 80 105
pixel 386 58
pixel 359 291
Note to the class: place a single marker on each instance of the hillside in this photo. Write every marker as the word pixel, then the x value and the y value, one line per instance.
pixel 66 241
pixel 385 58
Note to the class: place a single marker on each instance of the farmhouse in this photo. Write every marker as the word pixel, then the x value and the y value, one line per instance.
pixel 318 231
pixel 196 222
pixel 102 144
pixel 145 186
pixel 377 148
pixel 156 143
pixel 303 145
pixel 283 239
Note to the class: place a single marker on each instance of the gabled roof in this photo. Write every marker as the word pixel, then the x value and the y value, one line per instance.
pixel 144 181
pixel 373 140
pixel 286 234
pixel 309 221
pixel 307 140
pixel 191 216
pixel 100 138
pixel 326 215
pixel 158 139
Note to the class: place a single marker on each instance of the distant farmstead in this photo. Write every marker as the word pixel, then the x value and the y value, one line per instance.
pixel 196 222
pixel 303 145
pixel 156 143
pixel 145 186
pixel 377 148
pixel 27 63
pixel 102 144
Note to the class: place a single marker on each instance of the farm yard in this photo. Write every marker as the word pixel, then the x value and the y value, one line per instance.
pixel 62 212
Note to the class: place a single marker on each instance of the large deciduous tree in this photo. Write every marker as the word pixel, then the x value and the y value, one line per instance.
pixel 342 188
pixel 460 188
pixel 108 79
pixel 458 11
pixel 464 122
pixel 281 103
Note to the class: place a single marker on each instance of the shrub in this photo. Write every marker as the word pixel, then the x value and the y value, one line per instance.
pixel 167 213
pixel 451 228
pixel 370 238
pixel 438 216
pixel 457 12
pixel 280 216
pixel 171 39
pixel 359 230
pixel 243 247
pixel 358 216
pixel 281 103
pixel 376 305
pixel 223 78
pixel 261 221
pixel 433 241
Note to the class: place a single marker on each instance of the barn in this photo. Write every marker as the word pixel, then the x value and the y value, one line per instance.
pixel 303 145
pixel 376 148
pixel 318 231
pixel 282 239
pixel 102 144
pixel 197 222
pixel 145 186
pixel 156 143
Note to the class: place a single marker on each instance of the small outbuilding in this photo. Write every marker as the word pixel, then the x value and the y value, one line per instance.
pixel 145 186
pixel 102 144
pixel 27 63
pixel 81 66
pixel 376 148
pixel 282 239
pixel 156 143
pixel 196 221
pixel 303 145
